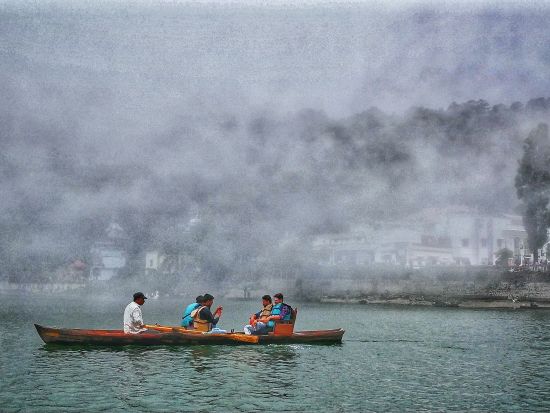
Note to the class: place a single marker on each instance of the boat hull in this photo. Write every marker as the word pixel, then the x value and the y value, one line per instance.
pixel 119 338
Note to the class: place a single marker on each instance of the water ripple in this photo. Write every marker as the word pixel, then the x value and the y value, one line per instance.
pixel 394 360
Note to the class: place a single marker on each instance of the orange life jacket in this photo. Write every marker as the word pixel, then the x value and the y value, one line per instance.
pixel 198 324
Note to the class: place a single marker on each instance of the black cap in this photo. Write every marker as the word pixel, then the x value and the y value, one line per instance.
pixel 139 295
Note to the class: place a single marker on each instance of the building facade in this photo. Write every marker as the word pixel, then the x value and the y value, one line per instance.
pixel 454 236
pixel 109 255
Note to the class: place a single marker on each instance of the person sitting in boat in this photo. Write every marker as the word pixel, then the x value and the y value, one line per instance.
pixel 203 319
pixel 187 319
pixel 133 319
pixel 280 311
pixel 256 326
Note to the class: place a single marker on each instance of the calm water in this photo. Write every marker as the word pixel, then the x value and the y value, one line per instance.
pixel 392 359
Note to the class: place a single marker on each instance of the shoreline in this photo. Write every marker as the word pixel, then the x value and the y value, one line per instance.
pixel 462 302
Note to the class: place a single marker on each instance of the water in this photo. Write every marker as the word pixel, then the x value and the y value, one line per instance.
pixel 392 359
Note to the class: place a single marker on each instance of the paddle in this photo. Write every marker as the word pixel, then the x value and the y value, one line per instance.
pixel 242 338
pixel 171 329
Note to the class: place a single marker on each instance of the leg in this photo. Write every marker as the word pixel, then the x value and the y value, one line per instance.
pixel 261 329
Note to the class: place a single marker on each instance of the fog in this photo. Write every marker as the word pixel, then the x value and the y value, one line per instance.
pixel 270 123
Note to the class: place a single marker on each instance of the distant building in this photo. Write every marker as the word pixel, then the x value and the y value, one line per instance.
pixel 453 236
pixel 476 238
pixel 153 261
pixel 109 255
pixel 72 272
pixel 159 262
pixel 354 248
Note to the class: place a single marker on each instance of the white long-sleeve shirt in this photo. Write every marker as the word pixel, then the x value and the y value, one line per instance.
pixel 133 319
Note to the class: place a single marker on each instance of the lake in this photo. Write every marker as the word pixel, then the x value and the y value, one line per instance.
pixel 391 359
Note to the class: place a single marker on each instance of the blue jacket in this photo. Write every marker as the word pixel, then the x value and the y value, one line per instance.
pixel 187 319
pixel 282 309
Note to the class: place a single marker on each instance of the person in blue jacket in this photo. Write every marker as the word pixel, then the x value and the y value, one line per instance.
pixel 187 319
pixel 280 311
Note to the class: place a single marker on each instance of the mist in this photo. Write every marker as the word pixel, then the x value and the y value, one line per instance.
pixel 271 124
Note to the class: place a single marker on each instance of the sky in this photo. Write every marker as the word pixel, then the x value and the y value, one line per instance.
pixel 337 58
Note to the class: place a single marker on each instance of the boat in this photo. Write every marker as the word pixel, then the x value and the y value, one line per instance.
pixel 167 335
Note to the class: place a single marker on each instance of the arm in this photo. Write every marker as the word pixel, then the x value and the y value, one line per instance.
pixel 255 317
pixel 206 315
pixel 284 312
pixel 137 318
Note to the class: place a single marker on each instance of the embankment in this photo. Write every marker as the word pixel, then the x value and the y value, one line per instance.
pixel 466 287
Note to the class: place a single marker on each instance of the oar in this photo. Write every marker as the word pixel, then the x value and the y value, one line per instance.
pixel 171 329
pixel 242 338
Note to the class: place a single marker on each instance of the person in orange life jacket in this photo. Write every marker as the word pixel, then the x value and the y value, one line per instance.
pixel 256 326
pixel 203 319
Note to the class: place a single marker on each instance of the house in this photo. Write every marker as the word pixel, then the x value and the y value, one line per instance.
pixel 355 248
pixel 109 255
pixel 75 271
pixel 476 238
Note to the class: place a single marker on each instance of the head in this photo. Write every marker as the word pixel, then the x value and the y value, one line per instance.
pixel 139 298
pixel 266 300
pixel 278 298
pixel 199 299
pixel 208 300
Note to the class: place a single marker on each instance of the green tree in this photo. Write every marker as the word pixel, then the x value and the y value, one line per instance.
pixel 533 186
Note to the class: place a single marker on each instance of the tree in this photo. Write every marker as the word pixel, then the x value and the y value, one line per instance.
pixel 503 255
pixel 533 186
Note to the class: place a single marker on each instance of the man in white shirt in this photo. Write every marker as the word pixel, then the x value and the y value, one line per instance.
pixel 133 319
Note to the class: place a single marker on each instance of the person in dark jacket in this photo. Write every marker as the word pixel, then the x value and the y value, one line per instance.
pixel 203 319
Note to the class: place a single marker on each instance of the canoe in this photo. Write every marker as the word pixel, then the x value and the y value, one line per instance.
pixel 178 336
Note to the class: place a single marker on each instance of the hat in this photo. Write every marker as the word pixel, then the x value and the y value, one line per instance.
pixel 139 295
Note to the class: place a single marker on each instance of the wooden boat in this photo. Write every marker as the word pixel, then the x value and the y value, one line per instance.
pixel 166 335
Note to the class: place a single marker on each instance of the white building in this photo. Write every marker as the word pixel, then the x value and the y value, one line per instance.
pixel 476 238
pixel 109 254
pixel 453 236
pixel 355 248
